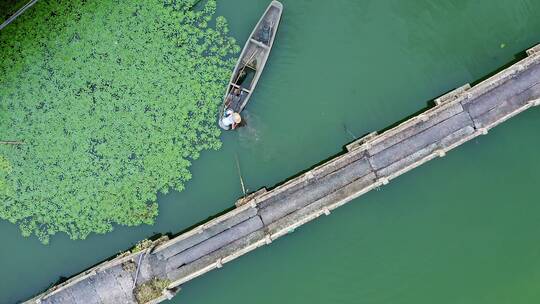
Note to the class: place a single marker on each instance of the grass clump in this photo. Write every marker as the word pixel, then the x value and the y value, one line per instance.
pixel 112 99
pixel 129 266
pixel 150 290
pixel 142 245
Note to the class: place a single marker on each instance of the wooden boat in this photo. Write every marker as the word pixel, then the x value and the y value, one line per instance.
pixel 251 63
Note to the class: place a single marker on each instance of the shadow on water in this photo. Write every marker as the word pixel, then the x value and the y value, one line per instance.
pixel 431 103
pixel 517 57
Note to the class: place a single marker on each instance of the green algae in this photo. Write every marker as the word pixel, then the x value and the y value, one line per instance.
pixel 112 100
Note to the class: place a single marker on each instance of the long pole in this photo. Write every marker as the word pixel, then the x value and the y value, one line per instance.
pixel 246 64
pixel 17 13
pixel 240 175
pixel 141 257
pixel 349 131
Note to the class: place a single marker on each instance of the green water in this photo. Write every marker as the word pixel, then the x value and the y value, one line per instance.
pixel 463 229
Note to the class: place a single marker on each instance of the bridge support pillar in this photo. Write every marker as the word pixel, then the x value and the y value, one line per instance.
pixel 326 211
pixel 534 50
pixel 169 293
pixel 441 153
pixel 483 131
pixel 452 95
pixel 362 141
pixel 384 181
pixel 219 263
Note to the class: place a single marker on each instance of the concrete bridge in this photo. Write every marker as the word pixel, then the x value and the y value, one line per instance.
pixel 264 216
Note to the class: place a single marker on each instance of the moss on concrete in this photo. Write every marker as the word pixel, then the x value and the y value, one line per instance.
pixel 150 290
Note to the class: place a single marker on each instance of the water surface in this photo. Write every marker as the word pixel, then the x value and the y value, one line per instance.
pixel 463 229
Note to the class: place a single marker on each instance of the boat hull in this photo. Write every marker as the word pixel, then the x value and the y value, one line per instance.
pixel 251 62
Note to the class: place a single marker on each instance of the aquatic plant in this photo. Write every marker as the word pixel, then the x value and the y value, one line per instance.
pixel 112 100
pixel 150 290
pixel 5 170
pixel 9 7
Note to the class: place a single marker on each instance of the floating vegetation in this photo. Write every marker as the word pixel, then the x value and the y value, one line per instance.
pixel 142 245
pixel 5 170
pixel 10 7
pixel 150 290
pixel 112 100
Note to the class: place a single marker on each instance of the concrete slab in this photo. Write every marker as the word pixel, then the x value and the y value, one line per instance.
pixel 214 243
pixel 510 89
pixel 224 254
pixel 419 141
pixel 413 127
pixel 314 191
pixel 108 289
pixel 85 293
pixel 62 297
pixel 207 233
pixel 321 206
pixel 498 114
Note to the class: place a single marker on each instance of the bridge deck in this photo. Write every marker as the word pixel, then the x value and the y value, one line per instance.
pixel 371 162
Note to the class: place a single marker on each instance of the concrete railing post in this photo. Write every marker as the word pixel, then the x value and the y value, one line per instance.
pixel 169 293
pixel 364 141
pixel 384 181
pixel 441 153
pixel 268 239
pixel 326 211
pixel 452 95
pixel 534 50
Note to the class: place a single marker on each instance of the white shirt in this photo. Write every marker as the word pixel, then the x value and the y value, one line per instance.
pixel 228 119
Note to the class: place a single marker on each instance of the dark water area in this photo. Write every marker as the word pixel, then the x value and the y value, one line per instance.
pixel 462 229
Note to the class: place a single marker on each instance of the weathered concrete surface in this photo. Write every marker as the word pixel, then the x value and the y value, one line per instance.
pixel 259 219
pixel 214 243
pixel 190 240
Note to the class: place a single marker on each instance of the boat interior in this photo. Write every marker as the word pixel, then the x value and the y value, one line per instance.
pixel 264 32
pixel 244 78
pixel 253 57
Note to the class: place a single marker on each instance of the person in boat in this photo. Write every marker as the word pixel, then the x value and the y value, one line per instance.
pixel 231 119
